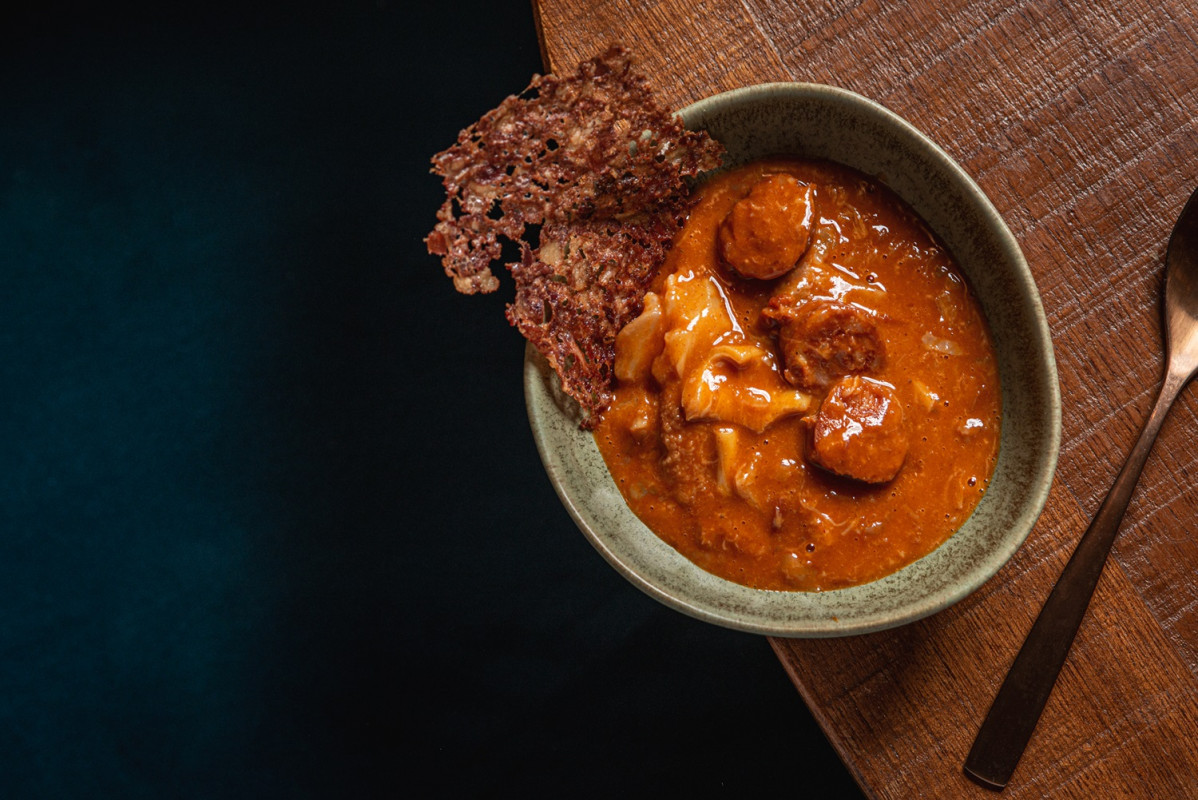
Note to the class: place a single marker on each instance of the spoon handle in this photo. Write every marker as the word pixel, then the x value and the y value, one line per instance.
pixel 1016 709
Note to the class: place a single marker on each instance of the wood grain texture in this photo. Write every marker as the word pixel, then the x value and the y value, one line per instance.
pixel 1078 120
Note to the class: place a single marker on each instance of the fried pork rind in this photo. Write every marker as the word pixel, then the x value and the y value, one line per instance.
pixel 601 169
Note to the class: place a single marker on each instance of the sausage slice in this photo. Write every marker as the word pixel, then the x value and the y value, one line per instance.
pixel 822 341
pixel 860 432
pixel 767 231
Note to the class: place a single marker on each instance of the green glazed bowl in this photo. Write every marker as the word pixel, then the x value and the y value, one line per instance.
pixel 816 121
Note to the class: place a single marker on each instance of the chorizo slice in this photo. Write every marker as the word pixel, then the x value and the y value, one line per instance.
pixel 823 340
pixel 860 431
pixel 766 233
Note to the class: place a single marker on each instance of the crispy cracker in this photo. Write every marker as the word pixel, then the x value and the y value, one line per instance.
pixel 588 175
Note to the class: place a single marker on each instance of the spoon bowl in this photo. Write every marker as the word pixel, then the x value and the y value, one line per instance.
pixel 1181 290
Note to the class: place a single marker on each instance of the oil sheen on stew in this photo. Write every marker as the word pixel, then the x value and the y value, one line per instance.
pixel 809 399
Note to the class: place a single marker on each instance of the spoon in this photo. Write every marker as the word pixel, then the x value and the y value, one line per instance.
pixel 1016 710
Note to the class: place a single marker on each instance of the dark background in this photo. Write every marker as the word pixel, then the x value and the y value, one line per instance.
pixel 272 522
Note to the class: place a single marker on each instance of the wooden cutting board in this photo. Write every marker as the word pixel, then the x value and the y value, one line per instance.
pixel 1080 121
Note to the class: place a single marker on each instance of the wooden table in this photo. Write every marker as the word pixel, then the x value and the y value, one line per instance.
pixel 1080 121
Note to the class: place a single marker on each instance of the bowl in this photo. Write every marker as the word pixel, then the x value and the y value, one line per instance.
pixel 817 121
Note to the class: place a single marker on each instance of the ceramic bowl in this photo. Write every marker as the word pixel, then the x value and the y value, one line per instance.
pixel 824 122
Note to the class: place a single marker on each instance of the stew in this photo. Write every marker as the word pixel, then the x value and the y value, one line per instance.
pixel 809 399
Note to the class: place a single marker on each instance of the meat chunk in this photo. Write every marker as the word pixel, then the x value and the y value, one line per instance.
pixel 766 232
pixel 860 432
pixel 821 340
pixel 685 449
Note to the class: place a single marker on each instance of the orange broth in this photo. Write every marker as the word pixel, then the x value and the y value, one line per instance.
pixel 710 442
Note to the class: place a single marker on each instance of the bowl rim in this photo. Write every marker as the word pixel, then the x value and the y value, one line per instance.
pixel 539 396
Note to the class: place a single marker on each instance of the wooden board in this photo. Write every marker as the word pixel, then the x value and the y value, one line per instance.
pixel 1079 120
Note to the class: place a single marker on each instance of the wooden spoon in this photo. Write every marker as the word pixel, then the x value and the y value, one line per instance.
pixel 1013 716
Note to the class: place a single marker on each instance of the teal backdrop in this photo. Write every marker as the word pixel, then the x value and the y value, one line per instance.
pixel 272 523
